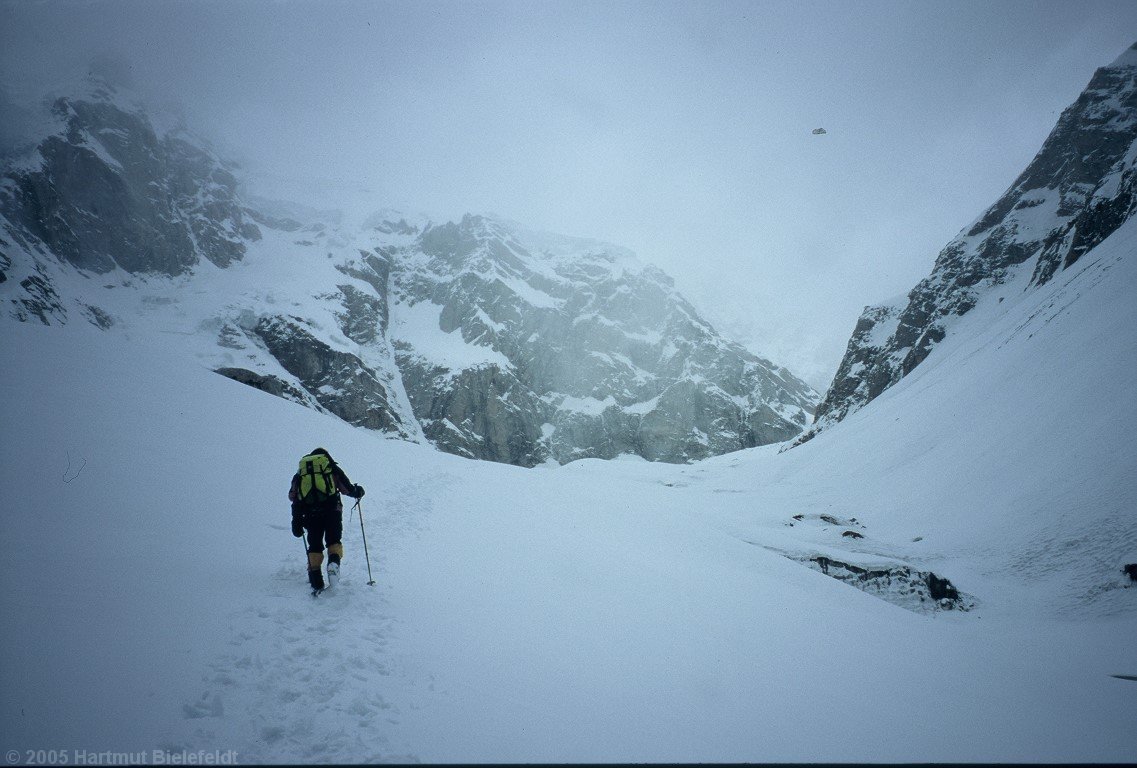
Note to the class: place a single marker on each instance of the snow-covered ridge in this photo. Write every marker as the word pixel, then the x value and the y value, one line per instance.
pixel 1081 186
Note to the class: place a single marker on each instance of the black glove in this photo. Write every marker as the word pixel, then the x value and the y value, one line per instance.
pixel 297 528
pixel 359 491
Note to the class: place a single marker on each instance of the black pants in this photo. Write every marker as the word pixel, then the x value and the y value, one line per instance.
pixel 324 526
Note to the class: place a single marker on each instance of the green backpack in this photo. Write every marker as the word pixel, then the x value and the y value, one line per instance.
pixel 317 483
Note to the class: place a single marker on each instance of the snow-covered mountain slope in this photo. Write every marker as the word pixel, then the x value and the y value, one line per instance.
pixel 510 345
pixel 1014 444
pixel 106 220
pixel 597 611
pixel 1077 190
pixel 521 346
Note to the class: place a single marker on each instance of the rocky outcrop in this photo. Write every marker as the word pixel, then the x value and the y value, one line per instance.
pixel 593 354
pixel 265 383
pixel 366 316
pixel 902 585
pixel 339 381
pixel 106 191
pixel 1074 194
pixel 481 412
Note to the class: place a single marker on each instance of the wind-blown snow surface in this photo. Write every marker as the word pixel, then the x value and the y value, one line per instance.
pixel 154 598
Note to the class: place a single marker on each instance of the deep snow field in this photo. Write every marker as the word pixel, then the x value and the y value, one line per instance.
pixel 153 596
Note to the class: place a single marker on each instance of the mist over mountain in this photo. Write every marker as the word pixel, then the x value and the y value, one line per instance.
pixel 486 339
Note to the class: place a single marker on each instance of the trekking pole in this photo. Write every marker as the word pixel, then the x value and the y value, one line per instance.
pixel 367 557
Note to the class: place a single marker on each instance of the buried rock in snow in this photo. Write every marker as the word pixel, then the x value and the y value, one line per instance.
pixel 919 591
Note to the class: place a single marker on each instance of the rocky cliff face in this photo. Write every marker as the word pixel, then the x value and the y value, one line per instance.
pixel 106 191
pixel 1077 190
pixel 110 220
pixel 581 349
pixel 486 339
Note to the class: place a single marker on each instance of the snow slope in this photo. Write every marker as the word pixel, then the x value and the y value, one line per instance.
pixel 619 610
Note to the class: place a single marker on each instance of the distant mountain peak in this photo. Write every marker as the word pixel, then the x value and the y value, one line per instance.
pixel 588 352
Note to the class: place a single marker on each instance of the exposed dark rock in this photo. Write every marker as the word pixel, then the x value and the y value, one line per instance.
pixel 110 192
pixel 483 412
pixel 940 589
pixel 920 591
pixel 339 381
pixel 1130 570
pixel 375 270
pixel 1080 186
pixel 205 196
pixel 39 301
pixel 853 535
pixel 282 223
pixel 363 319
pixel 97 317
pixel 1065 245
pixel 608 359
pixel 231 337
pixel 265 383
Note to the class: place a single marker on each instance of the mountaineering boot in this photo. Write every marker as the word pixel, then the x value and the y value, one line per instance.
pixel 335 554
pixel 315 572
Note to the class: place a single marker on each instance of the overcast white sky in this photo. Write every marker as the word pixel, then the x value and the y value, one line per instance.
pixel 681 130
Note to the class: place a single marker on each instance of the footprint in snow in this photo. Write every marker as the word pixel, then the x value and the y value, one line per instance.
pixel 297 666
